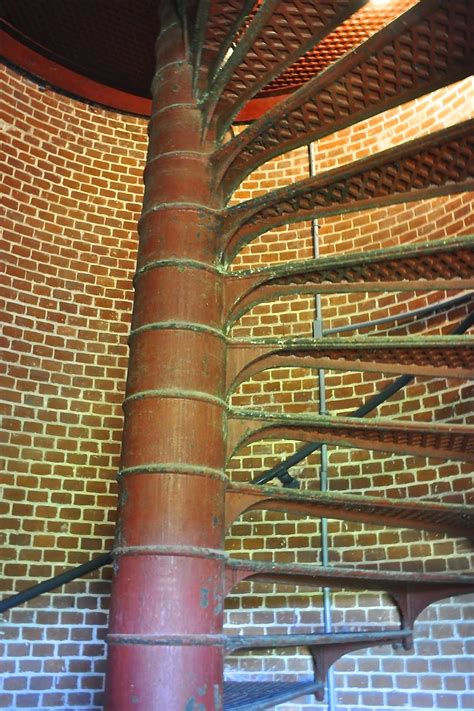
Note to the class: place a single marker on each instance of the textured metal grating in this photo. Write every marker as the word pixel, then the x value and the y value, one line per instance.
pixel 457 263
pixel 256 695
pixel 224 20
pixel 351 33
pixel 450 358
pixel 272 641
pixel 222 15
pixel 392 69
pixel 424 356
pixel 440 264
pixel 337 577
pixel 291 29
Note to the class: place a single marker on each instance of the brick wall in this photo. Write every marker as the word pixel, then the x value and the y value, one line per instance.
pixel 73 190
pixel 72 194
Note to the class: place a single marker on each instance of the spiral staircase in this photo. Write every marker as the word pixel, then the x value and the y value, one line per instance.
pixel 294 72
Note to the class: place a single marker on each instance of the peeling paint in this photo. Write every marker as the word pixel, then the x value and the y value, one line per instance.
pixel 218 605
pixel 204 597
pixel 217 697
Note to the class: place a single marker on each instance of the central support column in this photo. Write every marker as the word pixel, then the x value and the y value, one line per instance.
pixel 165 634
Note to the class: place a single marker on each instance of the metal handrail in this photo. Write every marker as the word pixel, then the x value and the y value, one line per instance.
pixel 430 310
pixel 56 582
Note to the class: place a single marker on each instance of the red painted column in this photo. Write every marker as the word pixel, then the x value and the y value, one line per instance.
pixel 165 633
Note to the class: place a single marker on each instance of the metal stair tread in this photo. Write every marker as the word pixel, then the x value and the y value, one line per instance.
pixel 257 695
pixel 345 577
pixel 272 641
pixel 459 517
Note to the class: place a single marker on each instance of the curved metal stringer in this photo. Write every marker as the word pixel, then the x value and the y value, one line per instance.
pixel 220 73
pixel 197 44
pixel 219 23
pixel 441 441
pixel 454 519
pixel 325 655
pixel 410 594
pixel 429 356
pixel 439 164
pixel 438 264
pixel 411 600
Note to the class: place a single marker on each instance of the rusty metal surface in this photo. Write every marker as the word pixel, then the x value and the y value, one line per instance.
pixel 273 641
pixel 439 164
pixel 431 356
pixel 223 21
pixel 443 264
pixel 412 592
pixel 325 655
pixel 402 63
pixel 325 649
pixel 454 519
pixel 284 288
pixel 441 441
pixel 315 575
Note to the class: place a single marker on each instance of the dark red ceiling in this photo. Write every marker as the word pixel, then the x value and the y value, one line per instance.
pixel 109 41
pixel 96 48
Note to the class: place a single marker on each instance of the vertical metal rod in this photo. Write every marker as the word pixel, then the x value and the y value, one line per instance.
pixel 323 473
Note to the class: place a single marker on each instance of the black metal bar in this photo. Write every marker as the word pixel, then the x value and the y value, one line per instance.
pixel 430 310
pixel 56 582
pixel 281 469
